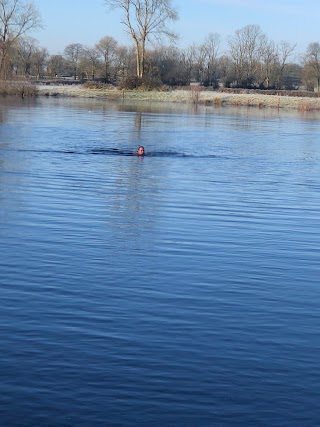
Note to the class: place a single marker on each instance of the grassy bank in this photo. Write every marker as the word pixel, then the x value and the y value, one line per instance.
pixel 193 96
pixel 21 88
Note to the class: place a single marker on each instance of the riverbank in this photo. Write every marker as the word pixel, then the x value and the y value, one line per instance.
pixel 21 88
pixel 193 96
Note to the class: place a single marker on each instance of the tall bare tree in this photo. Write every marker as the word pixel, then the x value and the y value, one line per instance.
pixel 268 63
pixel 312 65
pixel 188 56
pixel 72 53
pixel 90 60
pixel 17 17
pixel 199 60
pixel 124 63
pixel 107 47
pixel 245 48
pixel 27 47
pixel 40 60
pixel 285 50
pixel 211 48
pixel 225 70
pixel 56 65
pixel 144 20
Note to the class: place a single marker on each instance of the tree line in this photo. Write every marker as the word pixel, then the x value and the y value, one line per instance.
pixel 252 59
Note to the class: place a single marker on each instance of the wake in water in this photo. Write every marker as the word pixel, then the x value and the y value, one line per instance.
pixel 121 152
pixel 116 152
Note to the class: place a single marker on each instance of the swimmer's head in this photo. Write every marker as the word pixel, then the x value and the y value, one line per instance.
pixel 140 151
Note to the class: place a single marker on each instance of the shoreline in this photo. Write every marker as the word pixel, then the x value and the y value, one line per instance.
pixel 193 96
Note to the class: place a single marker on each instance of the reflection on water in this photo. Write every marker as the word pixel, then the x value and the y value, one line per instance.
pixel 177 288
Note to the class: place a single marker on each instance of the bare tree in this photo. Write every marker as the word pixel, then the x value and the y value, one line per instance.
pixel 27 47
pixel 225 70
pixel 124 63
pixel 72 53
pixel 144 20
pixel 244 51
pixel 40 59
pixel 107 47
pixel 56 65
pixel 285 50
pixel 198 61
pixel 187 58
pixel 17 17
pixel 268 63
pixel 211 49
pixel 90 59
pixel 312 65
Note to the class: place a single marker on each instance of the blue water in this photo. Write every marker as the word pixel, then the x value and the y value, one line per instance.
pixel 176 289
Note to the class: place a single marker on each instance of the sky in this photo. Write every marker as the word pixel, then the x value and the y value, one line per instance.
pixel 87 21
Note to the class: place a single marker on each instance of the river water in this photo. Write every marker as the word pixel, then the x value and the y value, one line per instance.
pixel 176 289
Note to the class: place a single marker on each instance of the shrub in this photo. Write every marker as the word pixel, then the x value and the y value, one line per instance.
pixel 146 83
pixel 299 93
pixel 21 88
pixel 306 106
pixel 217 102
pixel 97 85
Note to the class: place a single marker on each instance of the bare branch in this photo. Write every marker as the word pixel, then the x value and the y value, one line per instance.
pixel 145 20
pixel 17 17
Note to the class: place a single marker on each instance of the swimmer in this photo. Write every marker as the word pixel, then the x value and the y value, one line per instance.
pixel 140 151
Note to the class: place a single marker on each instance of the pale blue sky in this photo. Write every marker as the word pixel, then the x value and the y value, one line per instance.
pixel 86 21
